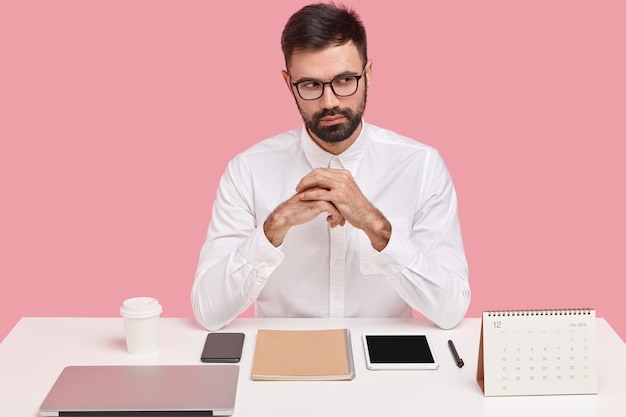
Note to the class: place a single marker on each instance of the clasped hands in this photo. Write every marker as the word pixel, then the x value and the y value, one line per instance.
pixel 331 191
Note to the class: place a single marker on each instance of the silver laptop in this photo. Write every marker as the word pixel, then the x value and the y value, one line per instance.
pixel 148 390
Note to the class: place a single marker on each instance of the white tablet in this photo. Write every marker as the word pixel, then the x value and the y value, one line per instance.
pixel 398 351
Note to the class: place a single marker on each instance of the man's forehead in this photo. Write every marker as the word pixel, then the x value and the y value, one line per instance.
pixel 326 62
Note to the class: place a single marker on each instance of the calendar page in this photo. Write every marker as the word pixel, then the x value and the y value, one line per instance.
pixel 538 352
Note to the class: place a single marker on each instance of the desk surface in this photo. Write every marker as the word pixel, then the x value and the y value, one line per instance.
pixel 37 349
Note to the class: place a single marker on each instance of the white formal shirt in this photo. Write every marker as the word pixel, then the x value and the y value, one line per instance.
pixel 320 271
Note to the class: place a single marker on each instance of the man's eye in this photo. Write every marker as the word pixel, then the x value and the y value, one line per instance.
pixel 310 85
pixel 343 80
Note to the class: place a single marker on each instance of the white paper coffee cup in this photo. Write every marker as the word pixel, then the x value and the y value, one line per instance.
pixel 141 319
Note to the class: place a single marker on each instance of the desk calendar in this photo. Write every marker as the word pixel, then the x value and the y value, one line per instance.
pixel 538 352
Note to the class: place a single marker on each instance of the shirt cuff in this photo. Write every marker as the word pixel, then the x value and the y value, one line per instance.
pixel 260 254
pixel 392 260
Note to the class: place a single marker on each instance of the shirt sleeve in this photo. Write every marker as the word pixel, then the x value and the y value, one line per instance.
pixel 236 259
pixel 425 261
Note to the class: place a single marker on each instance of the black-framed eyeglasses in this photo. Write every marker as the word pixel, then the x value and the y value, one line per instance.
pixel 341 85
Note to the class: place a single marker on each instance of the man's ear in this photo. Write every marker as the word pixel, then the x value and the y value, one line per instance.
pixel 287 79
pixel 368 73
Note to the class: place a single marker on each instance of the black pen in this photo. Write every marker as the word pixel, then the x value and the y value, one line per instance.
pixel 459 361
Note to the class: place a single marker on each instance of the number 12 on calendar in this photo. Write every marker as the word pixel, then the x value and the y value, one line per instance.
pixel 538 352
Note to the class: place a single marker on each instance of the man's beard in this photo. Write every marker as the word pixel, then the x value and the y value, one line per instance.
pixel 339 132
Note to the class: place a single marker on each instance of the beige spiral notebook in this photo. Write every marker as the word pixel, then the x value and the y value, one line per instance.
pixel 303 355
pixel 538 352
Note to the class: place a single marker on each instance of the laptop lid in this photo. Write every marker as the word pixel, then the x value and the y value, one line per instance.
pixel 148 390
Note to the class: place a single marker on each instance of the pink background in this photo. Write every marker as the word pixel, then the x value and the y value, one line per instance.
pixel 117 119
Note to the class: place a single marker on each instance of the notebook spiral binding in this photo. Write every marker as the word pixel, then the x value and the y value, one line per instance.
pixel 540 312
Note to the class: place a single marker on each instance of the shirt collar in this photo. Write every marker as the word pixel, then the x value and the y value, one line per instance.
pixel 349 159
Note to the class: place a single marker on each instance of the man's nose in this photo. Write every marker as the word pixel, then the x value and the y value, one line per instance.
pixel 328 100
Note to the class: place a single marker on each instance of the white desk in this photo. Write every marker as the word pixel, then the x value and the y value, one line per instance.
pixel 37 349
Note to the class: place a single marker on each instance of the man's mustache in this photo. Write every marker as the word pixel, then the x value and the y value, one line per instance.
pixel 332 112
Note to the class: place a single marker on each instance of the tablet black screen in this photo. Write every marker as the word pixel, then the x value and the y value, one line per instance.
pixel 399 349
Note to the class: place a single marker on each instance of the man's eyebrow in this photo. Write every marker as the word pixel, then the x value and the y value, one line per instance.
pixel 343 74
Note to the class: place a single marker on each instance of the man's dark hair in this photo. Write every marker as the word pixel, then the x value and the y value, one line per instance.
pixel 322 25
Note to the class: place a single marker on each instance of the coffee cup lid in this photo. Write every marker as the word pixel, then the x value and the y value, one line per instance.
pixel 141 307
